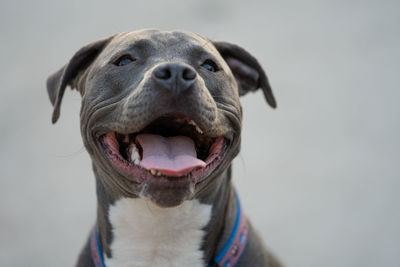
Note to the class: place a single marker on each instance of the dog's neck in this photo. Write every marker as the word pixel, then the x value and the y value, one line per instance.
pixel 208 222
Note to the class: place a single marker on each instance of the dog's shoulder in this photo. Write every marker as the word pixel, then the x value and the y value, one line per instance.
pixel 85 257
pixel 255 254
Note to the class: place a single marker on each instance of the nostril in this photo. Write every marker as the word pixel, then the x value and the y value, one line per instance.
pixel 188 74
pixel 174 77
pixel 163 73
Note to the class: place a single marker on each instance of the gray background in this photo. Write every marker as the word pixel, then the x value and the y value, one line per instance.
pixel 319 176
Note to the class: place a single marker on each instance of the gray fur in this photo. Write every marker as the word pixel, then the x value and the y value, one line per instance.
pixel 125 99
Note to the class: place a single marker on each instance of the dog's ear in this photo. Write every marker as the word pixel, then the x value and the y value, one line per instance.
pixel 248 72
pixel 58 81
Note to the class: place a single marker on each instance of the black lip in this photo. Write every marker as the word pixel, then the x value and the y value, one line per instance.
pixel 173 180
pixel 98 132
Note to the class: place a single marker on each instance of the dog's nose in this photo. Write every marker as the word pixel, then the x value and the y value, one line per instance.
pixel 174 77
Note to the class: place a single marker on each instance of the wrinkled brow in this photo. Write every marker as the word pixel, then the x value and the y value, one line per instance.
pixel 142 45
pixel 198 51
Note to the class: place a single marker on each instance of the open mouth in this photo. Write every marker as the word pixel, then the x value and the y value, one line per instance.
pixel 171 147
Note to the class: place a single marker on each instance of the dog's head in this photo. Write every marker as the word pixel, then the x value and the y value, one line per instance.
pixel 160 112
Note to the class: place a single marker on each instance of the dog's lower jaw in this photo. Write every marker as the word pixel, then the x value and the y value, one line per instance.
pixel 217 195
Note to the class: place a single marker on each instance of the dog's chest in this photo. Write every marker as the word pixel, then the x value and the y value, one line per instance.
pixel 147 235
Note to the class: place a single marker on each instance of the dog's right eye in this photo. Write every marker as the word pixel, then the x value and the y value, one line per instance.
pixel 210 65
pixel 124 60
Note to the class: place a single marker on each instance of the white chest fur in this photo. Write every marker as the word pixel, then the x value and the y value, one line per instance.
pixel 147 235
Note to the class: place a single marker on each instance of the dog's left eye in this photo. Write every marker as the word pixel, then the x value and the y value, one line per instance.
pixel 210 65
pixel 124 60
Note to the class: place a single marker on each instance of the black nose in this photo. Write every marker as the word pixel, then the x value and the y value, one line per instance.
pixel 174 77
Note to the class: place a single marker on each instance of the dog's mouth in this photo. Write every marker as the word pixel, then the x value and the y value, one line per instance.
pixel 171 147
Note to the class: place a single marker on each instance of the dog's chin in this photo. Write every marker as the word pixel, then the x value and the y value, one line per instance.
pixel 165 193
pixel 166 159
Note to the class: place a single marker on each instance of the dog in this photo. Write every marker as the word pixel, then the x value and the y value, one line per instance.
pixel 161 120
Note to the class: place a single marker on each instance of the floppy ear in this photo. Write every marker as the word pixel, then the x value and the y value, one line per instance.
pixel 247 70
pixel 58 81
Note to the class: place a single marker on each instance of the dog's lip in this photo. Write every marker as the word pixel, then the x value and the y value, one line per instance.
pixel 138 173
pixel 173 181
pixel 99 131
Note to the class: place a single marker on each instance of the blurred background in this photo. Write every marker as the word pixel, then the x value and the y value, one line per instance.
pixel 319 176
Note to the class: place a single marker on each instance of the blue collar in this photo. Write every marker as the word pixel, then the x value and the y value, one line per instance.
pixel 228 256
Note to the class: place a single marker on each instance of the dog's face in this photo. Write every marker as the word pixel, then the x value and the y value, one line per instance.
pixel 160 112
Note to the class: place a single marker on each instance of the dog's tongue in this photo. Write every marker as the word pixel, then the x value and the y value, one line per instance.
pixel 173 156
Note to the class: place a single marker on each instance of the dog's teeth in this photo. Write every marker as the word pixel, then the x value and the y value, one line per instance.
pixel 191 122
pixel 158 173
pixel 135 157
pixel 133 147
pixel 153 171
pixel 199 130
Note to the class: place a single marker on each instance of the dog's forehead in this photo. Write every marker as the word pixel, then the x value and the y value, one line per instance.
pixel 156 40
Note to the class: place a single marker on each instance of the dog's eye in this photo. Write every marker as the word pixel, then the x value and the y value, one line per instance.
pixel 210 65
pixel 124 60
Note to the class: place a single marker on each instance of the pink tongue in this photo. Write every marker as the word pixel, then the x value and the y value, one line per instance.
pixel 173 156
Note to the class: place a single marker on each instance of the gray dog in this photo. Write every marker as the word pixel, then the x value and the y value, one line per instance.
pixel 161 120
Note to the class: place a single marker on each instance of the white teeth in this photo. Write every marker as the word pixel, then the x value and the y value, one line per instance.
pixel 135 157
pixel 199 130
pixel 155 172
pixel 191 122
